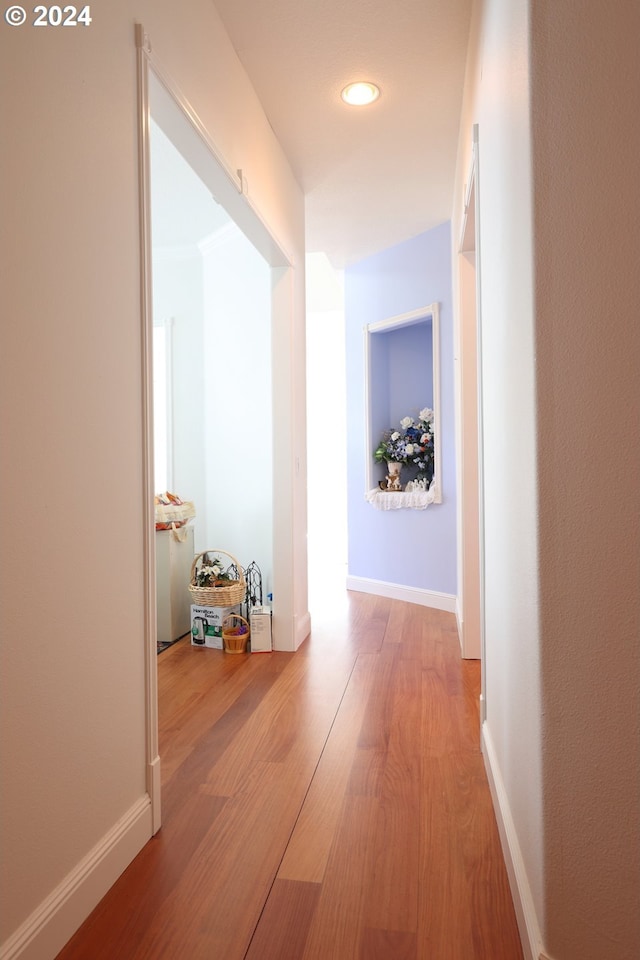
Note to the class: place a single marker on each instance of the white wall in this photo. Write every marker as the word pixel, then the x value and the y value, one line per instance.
pixel 511 600
pixel 73 695
pixel 238 429
pixel 215 287
pixel 327 431
pixel 178 297
pixel 560 360
pixel 585 79
pixel 496 98
pixel 219 297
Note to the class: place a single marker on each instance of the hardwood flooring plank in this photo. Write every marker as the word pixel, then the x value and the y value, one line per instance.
pixel 491 907
pixel 276 719
pixel 388 945
pixel 376 724
pixel 182 724
pixel 439 729
pixel 282 931
pixel 335 931
pixel 330 804
pixel 220 899
pixel 291 723
pixel 146 888
pixel 444 893
pixel 367 772
pixel 397 622
pixel 211 743
pixel 392 900
pixel 459 851
pixel 308 850
pixel 367 618
pixel 424 633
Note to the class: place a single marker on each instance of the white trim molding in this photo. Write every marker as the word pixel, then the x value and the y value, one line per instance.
pixel 460 623
pixel 50 926
pixel 232 190
pixel 526 915
pixel 302 628
pixel 143 50
pixel 396 591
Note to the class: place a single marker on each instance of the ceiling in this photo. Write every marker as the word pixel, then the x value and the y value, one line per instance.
pixel 376 175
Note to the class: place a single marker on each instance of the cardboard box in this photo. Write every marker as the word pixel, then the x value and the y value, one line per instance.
pixel 206 625
pixel 260 623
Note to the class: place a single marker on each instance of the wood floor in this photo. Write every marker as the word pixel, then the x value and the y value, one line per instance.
pixel 325 805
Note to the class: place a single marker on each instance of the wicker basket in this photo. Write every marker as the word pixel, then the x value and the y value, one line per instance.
pixel 234 641
pixel 225 594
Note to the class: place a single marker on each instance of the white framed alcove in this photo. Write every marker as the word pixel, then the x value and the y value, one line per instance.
pixel 402 375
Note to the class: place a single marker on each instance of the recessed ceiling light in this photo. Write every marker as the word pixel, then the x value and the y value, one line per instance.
pixel 360 94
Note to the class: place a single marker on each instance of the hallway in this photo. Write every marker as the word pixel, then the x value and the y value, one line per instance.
pixel 326 805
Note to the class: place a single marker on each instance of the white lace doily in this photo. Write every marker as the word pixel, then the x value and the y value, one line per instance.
pixel 392 500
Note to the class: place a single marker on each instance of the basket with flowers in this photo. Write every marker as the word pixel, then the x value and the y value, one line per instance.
pixel 216 583
pixel 235 633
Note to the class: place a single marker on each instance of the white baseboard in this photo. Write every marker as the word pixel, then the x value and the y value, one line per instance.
pixel 302 628
pixel 296 633
pixel 460 623
pixel 526 915
pixel 395 591
pixel 155 794
pixel 45 932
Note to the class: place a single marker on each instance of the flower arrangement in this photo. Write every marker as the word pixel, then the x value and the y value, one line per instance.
pixel 238 631
pixel 212 573
pixel 412 444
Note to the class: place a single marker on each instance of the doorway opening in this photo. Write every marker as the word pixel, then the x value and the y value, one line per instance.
pixel 212 382
pixel 220 287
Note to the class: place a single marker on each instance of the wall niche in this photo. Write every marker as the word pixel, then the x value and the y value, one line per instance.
pixel 402 375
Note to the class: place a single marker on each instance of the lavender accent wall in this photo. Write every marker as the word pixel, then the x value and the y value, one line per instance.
pixel 410 548
pixel 410 369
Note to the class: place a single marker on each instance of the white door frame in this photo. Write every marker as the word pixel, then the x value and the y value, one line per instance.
pixel 471 614
pixel 481 497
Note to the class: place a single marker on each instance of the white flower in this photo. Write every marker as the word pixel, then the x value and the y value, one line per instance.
pixel 215 571
pixel 424 438
pixel 409 449
pixel 426 414
pixel 395 435
pixel 406 422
